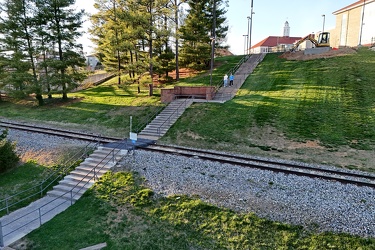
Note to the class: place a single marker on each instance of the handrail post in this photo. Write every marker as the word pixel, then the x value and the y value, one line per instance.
pixel 41 189
pixel 1 235
pixel 7 204
pixel 40 217
pixel 71 197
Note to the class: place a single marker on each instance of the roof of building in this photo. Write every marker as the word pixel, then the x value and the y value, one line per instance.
pixel 352 6
pixel 273 41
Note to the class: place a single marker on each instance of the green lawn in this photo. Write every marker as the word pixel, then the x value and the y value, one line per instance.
pixel 330 100
pixel 125 215
pixel 105 109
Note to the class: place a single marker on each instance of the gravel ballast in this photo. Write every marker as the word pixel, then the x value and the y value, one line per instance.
pixel 314 203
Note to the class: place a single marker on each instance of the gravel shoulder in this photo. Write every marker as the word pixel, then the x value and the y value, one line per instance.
pixel 316 204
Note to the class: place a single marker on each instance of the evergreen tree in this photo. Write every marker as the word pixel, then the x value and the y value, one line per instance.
pixel 108 31
pixel 63 24
pixel 197 31
pixel 17 28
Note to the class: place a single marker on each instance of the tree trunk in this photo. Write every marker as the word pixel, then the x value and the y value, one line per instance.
pixel 176 20
pixel 39 97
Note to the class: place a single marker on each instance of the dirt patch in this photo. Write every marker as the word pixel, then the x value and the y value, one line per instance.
pixel 267 141
pixel 299 55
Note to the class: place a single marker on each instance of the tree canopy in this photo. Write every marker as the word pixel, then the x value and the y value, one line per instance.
pixel 40 54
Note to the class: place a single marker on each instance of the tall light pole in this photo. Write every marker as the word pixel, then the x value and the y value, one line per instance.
pixel 363 14
pixel 248 35
pixel 213 38
pixel 245 43
pixel 251 24
pixel 324 21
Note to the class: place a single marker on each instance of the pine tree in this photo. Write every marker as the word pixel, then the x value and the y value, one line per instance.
pixel 17 29
pixel 63 24
pixel 197 31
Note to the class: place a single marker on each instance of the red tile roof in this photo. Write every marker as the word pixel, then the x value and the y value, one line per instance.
pixel 273 41
pixel 352 6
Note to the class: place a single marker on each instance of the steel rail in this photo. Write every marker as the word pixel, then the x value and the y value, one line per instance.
pixel 287 168
pixel 58 132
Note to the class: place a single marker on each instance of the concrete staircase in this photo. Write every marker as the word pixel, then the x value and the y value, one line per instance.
pixel 19 223
pixel 74 185
pixel 160 125
pixel 227 93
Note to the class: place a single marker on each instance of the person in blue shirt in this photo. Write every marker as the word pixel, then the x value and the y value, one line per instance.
pixel 231 78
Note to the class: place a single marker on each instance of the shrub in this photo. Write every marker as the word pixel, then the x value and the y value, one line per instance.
pixel 8 155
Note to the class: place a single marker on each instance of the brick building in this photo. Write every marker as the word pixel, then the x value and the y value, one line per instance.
pixel 354 25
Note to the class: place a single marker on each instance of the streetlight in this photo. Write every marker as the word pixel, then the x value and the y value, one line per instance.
pixel 324 20
pixel 248 34
pixel 363 14
pixel 245 43
pixel 213 37
pixel 251 24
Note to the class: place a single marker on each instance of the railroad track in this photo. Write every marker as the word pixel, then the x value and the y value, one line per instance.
pixel 345 177
pixel 58 132
pixel 359 179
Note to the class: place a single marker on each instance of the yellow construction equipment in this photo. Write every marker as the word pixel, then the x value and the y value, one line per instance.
pixel 323 40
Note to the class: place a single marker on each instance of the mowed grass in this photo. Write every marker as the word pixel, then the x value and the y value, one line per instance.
pixel 104 109
pixel 19 179
pixel 331 101
pixel 120 211
pixel 223 65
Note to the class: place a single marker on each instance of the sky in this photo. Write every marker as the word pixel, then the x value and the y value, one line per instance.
pixel 304 17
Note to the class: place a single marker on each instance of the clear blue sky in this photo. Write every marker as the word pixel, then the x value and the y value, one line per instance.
pixel 304 17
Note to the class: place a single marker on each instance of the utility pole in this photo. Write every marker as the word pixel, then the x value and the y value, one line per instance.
pixel 248 35
pixel 251 24
pixel 363 15
pixel 213 39
pixel 245 43
pixel 324 21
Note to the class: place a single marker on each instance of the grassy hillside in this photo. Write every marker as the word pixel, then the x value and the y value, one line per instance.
pixel 328 101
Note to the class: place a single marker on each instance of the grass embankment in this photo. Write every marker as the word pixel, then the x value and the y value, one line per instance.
pixel 125 215
pixel 331 101
pixel 103 109
pixel 106 109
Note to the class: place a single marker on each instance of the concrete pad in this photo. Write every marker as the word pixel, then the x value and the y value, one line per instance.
pixel 316 51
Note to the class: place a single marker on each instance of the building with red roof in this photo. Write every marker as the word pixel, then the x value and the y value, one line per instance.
pixel 276 43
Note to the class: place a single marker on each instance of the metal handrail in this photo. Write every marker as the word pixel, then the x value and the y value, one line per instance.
pixel 177 110
pixel 149 119
pixel 233 70
pixel 40 215
pixel 47 182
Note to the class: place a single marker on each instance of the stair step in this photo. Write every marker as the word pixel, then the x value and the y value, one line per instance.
pixel 88 168
pixel 64 195
pixel 73 183
pixel 76 190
